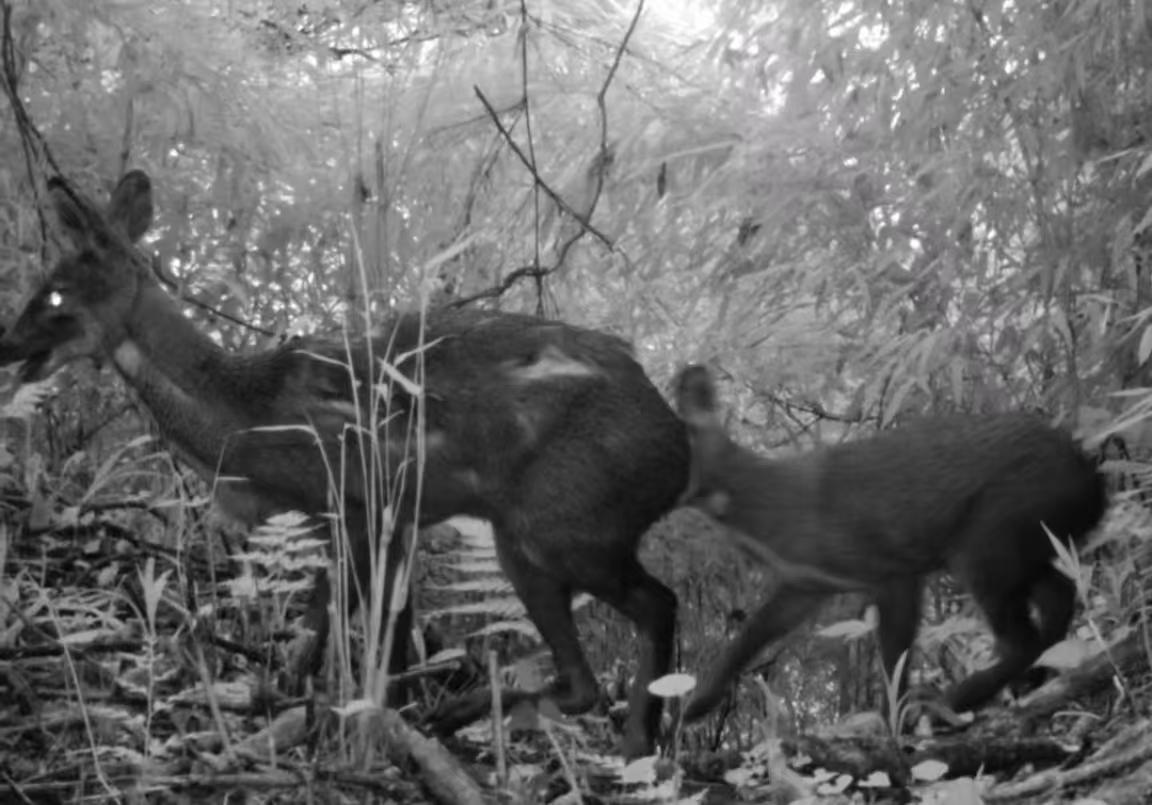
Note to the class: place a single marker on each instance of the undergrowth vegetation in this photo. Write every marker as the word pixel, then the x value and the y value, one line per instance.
pixel 857 213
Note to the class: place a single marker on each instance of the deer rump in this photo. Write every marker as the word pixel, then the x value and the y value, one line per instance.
pixel 970 494
pixel 551 432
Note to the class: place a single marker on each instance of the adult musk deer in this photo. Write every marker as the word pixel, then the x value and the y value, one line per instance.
pixel 970 494
pixel 551 432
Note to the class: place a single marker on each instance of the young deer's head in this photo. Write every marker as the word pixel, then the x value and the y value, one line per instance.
pixel 82 307
pixel 696 404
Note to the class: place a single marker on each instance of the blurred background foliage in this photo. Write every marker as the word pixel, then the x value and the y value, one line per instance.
pixel 867 208
pixel 855 211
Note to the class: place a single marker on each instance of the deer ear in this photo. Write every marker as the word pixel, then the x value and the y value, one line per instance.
pixel 77 219
pixel 130 210
pixel 694 386
pixel 696 399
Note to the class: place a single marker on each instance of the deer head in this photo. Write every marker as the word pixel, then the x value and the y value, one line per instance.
pixel 81 308
pixel 696 403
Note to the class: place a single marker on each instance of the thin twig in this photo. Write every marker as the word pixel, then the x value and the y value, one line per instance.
pixel 524 158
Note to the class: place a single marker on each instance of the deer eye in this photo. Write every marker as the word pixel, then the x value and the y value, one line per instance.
pixel 55 299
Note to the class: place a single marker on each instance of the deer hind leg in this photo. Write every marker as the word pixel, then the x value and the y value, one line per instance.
pixel 1054 596
pixel 651 606
pixel 545 584
pixel 1053 600
pixel 776 617
pixel 1019 641
pixel 548 601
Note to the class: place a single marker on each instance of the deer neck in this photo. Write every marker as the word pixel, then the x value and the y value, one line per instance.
pixel 766 496
pixel 182 376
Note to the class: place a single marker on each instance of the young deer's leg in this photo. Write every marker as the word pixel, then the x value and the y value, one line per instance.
pixel 652 608
pixel 775 618
pixel 1054 596
pixel 1018 640
pixel 898 603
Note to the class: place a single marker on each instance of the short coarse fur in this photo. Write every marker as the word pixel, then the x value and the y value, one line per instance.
pixel 552 432
pixel 970 494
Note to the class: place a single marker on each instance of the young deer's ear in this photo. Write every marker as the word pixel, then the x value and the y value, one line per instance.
pixel 696 398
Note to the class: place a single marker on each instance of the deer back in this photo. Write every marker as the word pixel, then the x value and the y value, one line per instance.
pixel 905 502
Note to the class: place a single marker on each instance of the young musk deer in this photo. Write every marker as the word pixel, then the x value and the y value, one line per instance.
pixel 963 493
pixel 553 433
